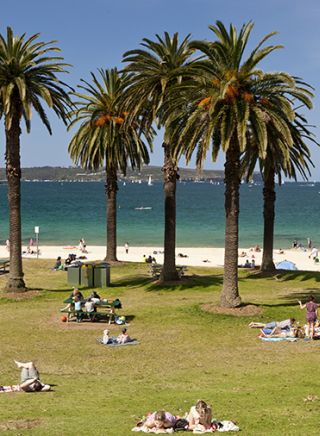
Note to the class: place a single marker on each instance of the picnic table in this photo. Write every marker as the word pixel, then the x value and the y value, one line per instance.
pixel 4 263
pixel 156 268
pixel 104 310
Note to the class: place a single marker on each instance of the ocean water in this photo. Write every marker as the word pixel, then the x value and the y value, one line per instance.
pixel 66 212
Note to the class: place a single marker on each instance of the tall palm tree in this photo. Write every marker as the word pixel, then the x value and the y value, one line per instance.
pixel 281 159
pixel 28 75
pixel 106 138
pixel 228 98
pixel 156 68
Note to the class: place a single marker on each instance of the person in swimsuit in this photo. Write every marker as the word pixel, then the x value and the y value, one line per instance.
pixel 312 315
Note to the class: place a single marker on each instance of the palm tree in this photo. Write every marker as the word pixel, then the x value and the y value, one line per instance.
pixel 105 138
pixel 28 75
pixel 228 99
pixel 156 68
pixel 281 159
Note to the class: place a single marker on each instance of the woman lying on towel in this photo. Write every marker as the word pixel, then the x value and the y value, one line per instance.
pixel 278 333
pixel 200 416
pixel 29 380
pixel 159 421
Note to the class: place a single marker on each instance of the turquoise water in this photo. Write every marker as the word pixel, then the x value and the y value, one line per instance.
pixel 66 212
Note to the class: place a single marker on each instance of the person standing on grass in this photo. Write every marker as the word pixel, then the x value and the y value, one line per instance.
pixel 312 314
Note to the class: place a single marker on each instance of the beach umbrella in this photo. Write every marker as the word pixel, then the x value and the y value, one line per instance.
pixel 286 264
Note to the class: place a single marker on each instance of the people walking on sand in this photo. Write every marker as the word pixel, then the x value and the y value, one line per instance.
pixel 312 314
pixel 126 247
pixel 314 253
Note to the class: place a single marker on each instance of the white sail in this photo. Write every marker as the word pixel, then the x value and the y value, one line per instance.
pixel 150 181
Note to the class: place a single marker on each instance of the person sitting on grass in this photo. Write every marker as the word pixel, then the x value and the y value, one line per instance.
pixel 283 325
pixel 58 265
pixel 124 337
pixel 200 416
pixel 30 380
pixel 160 420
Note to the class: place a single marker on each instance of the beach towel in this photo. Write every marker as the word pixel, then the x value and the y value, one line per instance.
pixel 278 339
pixel 147 430
pixel 113 342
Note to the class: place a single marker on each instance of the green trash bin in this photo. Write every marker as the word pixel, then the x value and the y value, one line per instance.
pixel 74 275
pixel 87 275
pixel 101 275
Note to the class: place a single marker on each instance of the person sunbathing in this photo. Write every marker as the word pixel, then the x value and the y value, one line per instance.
pixel 278 333
pixel 200 416
pixel 30 380
pixel 160 420
pixel 284 325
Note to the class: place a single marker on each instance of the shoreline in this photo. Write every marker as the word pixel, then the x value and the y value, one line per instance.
pixel 201 256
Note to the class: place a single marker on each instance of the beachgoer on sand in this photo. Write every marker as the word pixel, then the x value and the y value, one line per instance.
pixel 312 309
pixel 30 380
pixel 126 247
pixel 314 253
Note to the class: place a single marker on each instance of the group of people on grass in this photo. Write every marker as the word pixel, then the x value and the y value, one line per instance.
pixel 199 419
pixel 288 328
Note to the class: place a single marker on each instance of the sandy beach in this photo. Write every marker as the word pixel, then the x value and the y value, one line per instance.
pixel 207 257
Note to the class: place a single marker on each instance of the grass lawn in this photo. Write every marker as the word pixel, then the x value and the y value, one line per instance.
pixel 185 354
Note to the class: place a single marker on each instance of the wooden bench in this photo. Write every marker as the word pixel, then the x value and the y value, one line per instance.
pixel 4 263
pixel 155 270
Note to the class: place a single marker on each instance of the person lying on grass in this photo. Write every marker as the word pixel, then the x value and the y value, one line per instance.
pixel 30 380
pixel 286 324
pixel 278 333
pixel 200 416
pixel 160 420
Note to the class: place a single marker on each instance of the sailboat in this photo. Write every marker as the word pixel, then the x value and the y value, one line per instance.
pixel 150 181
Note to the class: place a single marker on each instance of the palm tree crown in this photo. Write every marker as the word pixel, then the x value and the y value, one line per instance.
pixel 28 74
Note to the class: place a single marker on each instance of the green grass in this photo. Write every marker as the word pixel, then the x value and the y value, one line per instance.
pixel 184 354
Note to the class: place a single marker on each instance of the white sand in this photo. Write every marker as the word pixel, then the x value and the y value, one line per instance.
pixel 196 256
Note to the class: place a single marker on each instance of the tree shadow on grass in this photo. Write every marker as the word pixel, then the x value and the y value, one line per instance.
pixel 283 276
pixel 188 282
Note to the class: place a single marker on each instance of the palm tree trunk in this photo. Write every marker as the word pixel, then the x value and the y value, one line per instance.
pixel 170 175
pixel 230 293
pixel 269 199
pixel 13 171
pixel 111 193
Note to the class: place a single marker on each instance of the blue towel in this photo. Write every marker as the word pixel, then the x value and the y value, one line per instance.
pixel 278 339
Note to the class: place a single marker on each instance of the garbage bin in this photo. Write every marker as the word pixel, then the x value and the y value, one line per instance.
pixel 101 275
pixel 87 275
pixel 74 275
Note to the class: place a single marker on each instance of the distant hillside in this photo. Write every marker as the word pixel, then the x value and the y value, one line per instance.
pixel 78 174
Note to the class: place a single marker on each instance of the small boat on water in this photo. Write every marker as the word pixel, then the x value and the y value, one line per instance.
pixel 143 208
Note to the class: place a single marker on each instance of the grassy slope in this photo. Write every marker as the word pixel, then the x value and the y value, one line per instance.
pixel 184 354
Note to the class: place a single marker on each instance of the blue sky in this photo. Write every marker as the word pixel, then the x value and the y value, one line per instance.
pixel 95 33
